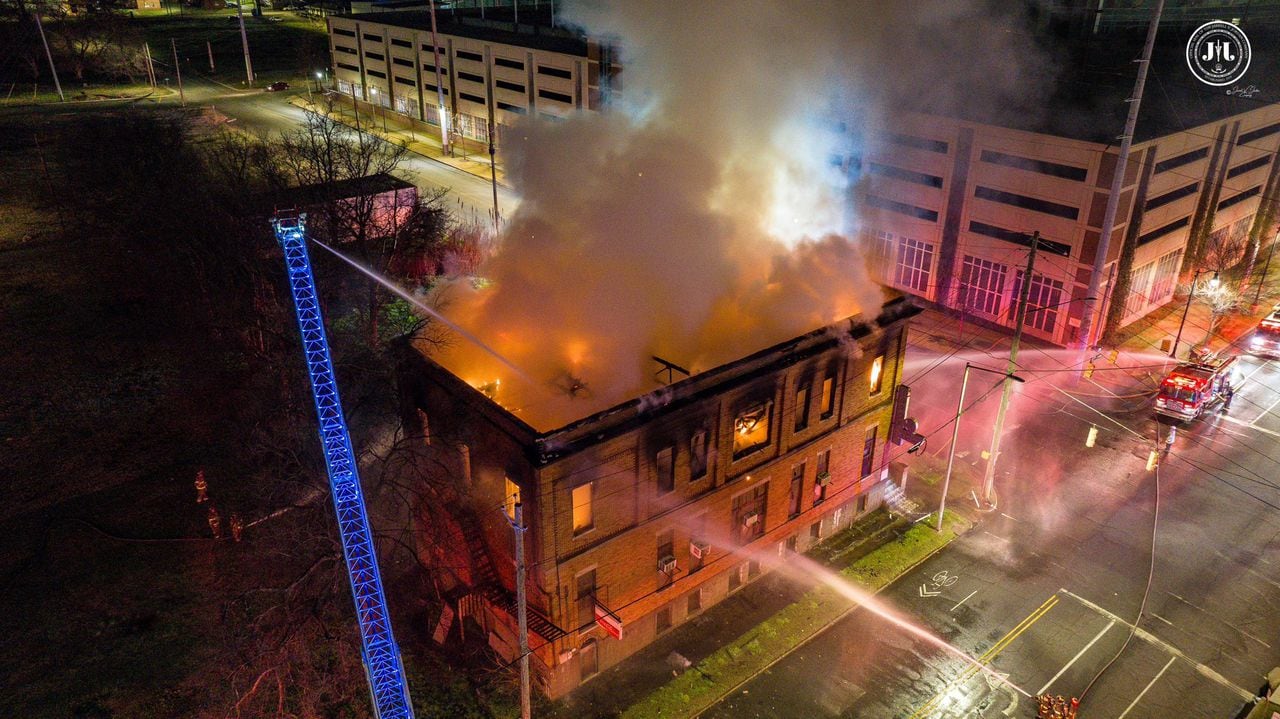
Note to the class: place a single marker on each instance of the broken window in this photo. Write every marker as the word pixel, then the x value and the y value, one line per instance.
pixel 751 429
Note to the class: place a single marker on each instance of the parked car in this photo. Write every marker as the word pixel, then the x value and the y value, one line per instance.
pixel 277 86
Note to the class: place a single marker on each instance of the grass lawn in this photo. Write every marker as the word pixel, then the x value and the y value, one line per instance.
pixel 698 688
pixel 29 94
pixel 930 470
pixel 292 48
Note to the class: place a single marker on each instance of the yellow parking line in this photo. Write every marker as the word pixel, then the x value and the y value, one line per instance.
pixel 989 655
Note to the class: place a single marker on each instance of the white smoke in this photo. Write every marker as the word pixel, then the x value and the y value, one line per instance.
pixel 702 218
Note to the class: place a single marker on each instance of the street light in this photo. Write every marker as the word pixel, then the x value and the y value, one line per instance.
pixel 1213 285
pixel 955 431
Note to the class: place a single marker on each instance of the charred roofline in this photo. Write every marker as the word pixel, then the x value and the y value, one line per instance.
pixel 543 448
pixel 438 374
pixel 619 419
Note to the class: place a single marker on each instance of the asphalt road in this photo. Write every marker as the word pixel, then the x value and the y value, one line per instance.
pixel 1043 591
pixel 271 112
pixel 267 113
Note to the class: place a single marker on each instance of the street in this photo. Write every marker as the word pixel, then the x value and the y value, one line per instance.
pixel 266 113
pixel 1043 591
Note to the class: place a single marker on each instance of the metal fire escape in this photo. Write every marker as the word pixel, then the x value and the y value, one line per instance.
pixel 382 664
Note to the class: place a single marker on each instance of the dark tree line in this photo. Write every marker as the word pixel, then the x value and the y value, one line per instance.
pixel 181 210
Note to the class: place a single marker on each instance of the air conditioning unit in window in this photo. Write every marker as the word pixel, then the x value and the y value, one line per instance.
pixel 823 478
pixel 697 549
pixel 750 519
pixel 667 565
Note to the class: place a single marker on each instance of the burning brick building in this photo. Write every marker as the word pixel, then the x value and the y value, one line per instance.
pixel 644 514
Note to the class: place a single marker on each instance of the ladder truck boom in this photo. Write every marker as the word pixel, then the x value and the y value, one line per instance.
pixel 383 667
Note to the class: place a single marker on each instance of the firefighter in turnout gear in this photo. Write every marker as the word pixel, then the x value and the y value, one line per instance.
pixel 215 523
pixel 202 488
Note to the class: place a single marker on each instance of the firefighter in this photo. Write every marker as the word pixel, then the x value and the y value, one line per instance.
pixel 237 526
pixel 202 488
pixel 1169 439
pixel 215 523
pixel 1228 392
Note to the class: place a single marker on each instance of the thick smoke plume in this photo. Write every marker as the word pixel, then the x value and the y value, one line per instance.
pixel 706 215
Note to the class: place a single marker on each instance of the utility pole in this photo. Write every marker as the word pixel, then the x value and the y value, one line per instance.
pixel 522 613
pixel 493 178
pixel 244 41
pixel 177 68
pixel 1087 324
pixel 443 115
pixel 951 457
pixel 955 433
pixel 209 46
pixel 54 70
pixel 1024 294
pixel 151 66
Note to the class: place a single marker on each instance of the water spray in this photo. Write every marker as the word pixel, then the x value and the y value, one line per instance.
pixel 799 564
pixel 407 297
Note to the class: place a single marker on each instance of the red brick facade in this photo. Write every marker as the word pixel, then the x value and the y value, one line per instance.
pixel 646 502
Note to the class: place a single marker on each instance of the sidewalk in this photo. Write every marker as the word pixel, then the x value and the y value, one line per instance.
pixel 1156 332
pixel 421 138
pixel 1141 357
pixel 640 675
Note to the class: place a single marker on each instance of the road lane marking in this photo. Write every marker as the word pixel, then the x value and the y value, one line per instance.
pixel 1265 412
pixel 1153 639
pixel 1218 619
pixel 1256 370
pixel 989 656
pixel 962 601
pixel 1134 703
pixel 1157 616
pixel 1079 654
pixel 1250 425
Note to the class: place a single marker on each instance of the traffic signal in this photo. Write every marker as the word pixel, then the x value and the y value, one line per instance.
pixel 903 428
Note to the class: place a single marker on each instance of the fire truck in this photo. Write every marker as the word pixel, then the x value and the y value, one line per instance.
pixel 1193 387
pixel 1266 337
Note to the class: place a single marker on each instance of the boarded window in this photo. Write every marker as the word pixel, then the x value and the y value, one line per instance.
pixel 797 489
pixel 586 595
pixel 802 408
pixel 698 455
pixel 588 662
pixel 665 465
pixel 869 451
pixel 664 619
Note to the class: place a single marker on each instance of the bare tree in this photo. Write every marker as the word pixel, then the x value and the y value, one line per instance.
pixel 384 223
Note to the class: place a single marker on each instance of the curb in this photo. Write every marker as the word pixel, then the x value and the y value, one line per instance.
pixel 436 159
pixel 712 701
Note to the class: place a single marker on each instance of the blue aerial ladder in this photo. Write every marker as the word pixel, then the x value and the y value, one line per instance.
pixel 382 664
